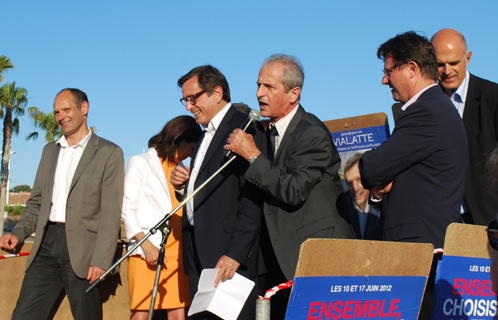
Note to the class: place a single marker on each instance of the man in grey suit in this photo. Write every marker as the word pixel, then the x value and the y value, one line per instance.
pixel 75 208
pixel 300 178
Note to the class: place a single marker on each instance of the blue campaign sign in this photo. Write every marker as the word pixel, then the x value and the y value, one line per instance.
pixel 463 289
pixel 360 139
pixel 374 297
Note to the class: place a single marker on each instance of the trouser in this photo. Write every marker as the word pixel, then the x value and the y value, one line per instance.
pixel 49 273
pixel 248 311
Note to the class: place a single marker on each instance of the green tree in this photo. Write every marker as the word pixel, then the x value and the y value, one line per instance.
pixel 21 188
pixel 5 65
pixel 47 123
pixel 13 101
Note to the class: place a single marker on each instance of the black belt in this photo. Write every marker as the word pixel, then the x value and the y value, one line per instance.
pixel 56 223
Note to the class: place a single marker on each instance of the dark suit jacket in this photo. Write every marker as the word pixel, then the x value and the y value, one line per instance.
pixel 302 186
pixel 94 203
pixel 346 207
pixel 227 211
pixel 480 118
pixel 426 156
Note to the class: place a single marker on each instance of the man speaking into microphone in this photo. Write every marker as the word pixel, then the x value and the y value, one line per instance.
pixel 221 223
pixel 299 177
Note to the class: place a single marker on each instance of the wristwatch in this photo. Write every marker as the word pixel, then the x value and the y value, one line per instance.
pixel 252 159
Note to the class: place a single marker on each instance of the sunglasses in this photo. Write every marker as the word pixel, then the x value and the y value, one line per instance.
pixel 492 231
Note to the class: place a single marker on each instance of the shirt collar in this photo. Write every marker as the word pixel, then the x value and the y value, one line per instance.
pixel 283 123
pixel 215 122
pixel 368 208
pixel 63 142
pixel 415 97
pixel 462 90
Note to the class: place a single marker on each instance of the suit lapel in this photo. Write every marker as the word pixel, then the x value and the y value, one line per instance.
pixel 219 137
pixel 472 104
pixel 290 129
pixel 355 221
pixel 155 164
pixel 54 158
pixel 90 149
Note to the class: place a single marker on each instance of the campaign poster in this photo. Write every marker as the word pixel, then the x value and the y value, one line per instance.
pixel 463 289
pixel 356 297
pixel 358 140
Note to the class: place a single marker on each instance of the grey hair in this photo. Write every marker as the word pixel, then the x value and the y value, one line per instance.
pixel 293 74
pixel 352 161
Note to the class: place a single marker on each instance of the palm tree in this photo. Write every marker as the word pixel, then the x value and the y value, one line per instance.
pixel 5 64
pixel 47 123
pixel 13 100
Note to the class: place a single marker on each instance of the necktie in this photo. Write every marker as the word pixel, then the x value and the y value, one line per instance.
pixel 271 133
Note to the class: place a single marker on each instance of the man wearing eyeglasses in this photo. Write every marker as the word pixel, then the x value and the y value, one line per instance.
pixel 221 223
pixel 477 102
pixel 419 171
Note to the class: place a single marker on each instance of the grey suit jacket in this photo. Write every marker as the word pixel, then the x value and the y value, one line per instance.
pixel 302 186
pixel 93 209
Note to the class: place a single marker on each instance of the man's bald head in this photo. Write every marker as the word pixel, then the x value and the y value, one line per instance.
pixel 452 58
pixel 449 36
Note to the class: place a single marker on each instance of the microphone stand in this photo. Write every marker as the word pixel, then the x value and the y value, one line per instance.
pixel 159 268
pixel 165 230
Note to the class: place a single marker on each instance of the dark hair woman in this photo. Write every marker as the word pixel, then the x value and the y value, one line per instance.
pixel 148 197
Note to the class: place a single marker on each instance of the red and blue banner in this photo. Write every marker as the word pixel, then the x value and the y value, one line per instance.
pixel 463 289
pixel 359 297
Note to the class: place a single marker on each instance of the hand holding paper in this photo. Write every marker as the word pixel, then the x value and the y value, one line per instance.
pixel 226 300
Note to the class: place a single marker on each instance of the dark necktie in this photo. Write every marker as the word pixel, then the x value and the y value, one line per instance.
pixel 271 133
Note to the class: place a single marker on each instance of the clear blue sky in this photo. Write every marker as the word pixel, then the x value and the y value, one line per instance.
pixel 128 55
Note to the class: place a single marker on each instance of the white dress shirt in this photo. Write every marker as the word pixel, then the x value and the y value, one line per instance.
pixel 281 126
pixel 199 158
pixel 460 95
pixel 69 157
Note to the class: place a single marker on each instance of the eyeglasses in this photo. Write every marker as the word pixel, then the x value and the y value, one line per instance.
pixel 388 71
pixel 492 229
pixel 191 99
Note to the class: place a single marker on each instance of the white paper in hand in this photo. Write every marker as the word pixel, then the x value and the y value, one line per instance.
pixel 226 300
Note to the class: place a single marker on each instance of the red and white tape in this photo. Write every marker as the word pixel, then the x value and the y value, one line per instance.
pixel 270 292
pixel 14 255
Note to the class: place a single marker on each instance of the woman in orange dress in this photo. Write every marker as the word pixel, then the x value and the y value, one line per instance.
pixel 148 197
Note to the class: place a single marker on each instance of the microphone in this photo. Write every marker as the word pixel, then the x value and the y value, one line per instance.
pixel 254 115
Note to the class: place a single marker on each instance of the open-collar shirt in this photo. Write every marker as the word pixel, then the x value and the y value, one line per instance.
pixel 69 157
pixel 213 125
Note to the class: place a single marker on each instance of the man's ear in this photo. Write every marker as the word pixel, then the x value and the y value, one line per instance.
pixel 467 58
pixel 295 92
pixel 85 107
pixel 218 93
pixel 414 68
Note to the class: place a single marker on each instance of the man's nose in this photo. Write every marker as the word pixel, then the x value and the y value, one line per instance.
pixel 385 79
pixel 259 92
pixel 446 69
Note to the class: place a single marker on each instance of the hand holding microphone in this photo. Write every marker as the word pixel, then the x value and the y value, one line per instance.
pixel 242 143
